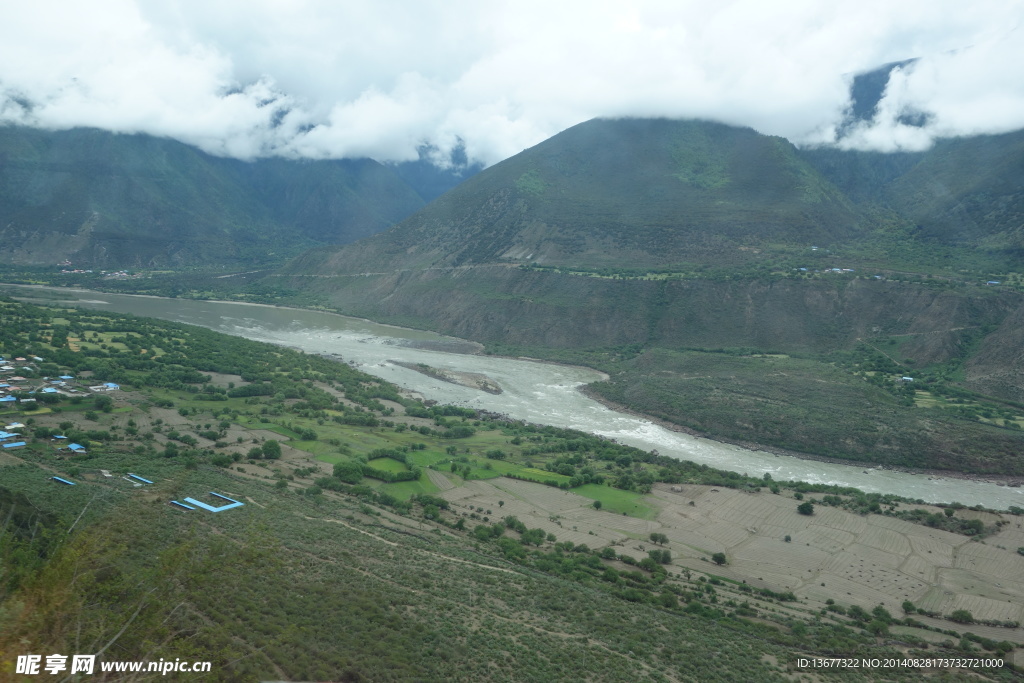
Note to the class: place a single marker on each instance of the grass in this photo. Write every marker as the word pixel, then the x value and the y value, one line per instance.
pixel 617 500
pixel 387 465
pixel 404 490
pixel 426 458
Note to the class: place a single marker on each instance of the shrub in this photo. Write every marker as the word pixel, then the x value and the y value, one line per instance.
pixel 961 616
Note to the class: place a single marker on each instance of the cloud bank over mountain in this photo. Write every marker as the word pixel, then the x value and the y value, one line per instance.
pixel 319 79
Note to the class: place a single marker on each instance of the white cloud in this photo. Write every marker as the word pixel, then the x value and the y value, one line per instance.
pixel 324 79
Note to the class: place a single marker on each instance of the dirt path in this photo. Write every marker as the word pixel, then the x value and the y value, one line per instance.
pixel 419 550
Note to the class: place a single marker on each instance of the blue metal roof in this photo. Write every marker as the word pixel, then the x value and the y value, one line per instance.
pixel 232 503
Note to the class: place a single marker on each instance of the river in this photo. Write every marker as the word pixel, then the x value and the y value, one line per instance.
pixel 534 391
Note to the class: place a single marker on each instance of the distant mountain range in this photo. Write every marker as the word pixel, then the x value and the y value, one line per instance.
pixel 642 193
pixel 660 194
pixel 107 200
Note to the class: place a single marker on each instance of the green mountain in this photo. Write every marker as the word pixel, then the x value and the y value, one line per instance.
pixel 962 192
pixel 107 200
pixel 627 193
pixel 629 244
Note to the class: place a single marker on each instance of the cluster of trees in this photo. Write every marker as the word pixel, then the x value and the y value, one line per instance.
pixel 269 449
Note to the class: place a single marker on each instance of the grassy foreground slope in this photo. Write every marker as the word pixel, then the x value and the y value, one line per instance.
pixel 331 569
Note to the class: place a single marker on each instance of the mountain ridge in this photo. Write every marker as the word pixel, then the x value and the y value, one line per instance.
pixel 111 200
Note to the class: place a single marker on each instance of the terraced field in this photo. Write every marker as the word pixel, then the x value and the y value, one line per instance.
pixel 832 555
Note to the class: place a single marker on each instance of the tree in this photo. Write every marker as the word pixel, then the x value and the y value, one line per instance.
pixel 659 538
pixel 882 614
pixel 962 616
pixel 950 512
pixel 348 472
pixel 597 505
pixel 877 627
pixel 718 558
pixel 805 508
pixel 272 450
pixel 648 564
pixel 661 556
pixel 858 613
pixel 908 607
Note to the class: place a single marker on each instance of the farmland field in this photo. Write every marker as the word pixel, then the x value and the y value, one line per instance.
pixel 832 555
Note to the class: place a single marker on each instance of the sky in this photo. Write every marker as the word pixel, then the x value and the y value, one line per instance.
pixel 381 79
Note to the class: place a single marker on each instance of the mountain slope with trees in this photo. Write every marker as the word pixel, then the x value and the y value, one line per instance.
pixel 102 199
pixel 627 193
pixel 617 238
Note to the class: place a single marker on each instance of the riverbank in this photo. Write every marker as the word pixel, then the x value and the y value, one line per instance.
pixel 1009 482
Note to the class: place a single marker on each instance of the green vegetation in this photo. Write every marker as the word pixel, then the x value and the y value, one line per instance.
pixel 616 500
pixel 840 405
pixel 140 199
pixel 289 585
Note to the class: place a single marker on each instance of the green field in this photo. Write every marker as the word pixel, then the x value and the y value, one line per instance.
pixel 617 500
pixel 387 465
pixel 403 490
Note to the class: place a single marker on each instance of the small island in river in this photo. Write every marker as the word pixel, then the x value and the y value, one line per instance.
pixel 473 380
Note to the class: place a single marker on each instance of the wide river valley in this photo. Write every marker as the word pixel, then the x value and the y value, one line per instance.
pixel 538 392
